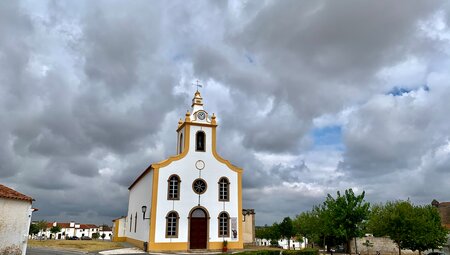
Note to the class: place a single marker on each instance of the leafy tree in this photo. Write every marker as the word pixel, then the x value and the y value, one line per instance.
pixel 95 235
pixel 286 230
pixel 345 214
pixel 55 229
pixel 103 236
pixel 273 233
pixel 410 227
pixel 308 224
pixel 34 230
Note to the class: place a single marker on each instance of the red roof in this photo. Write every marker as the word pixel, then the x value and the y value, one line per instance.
pixel 6 192
pixel 67 225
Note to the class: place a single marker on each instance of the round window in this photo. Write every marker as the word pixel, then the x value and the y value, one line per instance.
pixel 199 186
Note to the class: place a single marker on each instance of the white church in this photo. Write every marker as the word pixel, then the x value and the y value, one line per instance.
pixel 190 201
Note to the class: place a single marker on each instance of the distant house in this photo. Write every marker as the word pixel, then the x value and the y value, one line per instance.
pixel 283 243
pixel 107 231
pixel 15 218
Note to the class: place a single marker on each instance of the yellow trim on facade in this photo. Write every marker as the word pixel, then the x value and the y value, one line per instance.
pixel 231 245
pixel 195 124
pixel 152 231
pixel 241 230
pixel 135 242
pixel 180 246
pixel 119 239
pixel 184 246
pixel 156 167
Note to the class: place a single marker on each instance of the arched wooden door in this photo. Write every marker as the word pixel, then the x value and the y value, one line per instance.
pixel 198 234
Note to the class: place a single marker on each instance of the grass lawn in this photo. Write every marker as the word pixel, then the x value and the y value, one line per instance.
pixel 79 245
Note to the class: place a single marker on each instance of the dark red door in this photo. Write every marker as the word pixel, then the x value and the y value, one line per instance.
pixel 198 231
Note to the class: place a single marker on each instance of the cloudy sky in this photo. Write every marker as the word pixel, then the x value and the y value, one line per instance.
pixel 312 97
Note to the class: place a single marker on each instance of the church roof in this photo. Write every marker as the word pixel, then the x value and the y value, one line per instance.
pixel 6 192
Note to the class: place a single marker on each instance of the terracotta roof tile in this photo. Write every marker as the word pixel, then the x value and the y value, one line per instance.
pixel 6 192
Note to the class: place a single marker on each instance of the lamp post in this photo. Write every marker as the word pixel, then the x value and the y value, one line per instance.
pixel 144 209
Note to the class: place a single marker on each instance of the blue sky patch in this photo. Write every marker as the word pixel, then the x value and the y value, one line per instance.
pixel 398 91
pixel 328 136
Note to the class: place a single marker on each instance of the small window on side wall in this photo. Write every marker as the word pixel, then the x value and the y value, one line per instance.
pixel 200 141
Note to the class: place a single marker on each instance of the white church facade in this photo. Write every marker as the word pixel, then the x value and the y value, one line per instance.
pixel 190 201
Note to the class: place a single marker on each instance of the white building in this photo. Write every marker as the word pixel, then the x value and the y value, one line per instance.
pixel 15 218
pixel 283 243
pixel 69 229
pixel 192 200
pixel 105 230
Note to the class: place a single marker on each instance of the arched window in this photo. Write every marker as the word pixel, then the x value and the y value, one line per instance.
pixel 200 141
pixel 172 225
pixel 224 189
pixel 224 224
pixel 181 144
pixel 173 190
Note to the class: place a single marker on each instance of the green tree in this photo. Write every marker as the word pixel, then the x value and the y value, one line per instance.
pixel 103 236
pixel 394 219
pixel 55 229
pixel 307 224
pixel 286 229
pixel 345 215
pixel 95 235
pixel 410 227
pixel 34 230
pixel 273 233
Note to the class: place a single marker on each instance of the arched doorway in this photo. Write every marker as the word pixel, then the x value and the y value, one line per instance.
pixel 198 233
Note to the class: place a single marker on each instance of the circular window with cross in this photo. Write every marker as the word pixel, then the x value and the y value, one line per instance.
pixel 199 186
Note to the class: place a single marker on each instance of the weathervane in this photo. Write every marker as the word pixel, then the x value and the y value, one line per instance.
pixel 198 85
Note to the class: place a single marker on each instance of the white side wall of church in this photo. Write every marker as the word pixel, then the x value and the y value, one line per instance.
pixel 186 170
pixel 140 195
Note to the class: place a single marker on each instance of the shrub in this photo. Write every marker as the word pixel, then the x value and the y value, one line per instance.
pixel 306 251
pixel 263 252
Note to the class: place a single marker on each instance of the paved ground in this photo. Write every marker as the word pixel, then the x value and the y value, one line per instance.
pixel 46 251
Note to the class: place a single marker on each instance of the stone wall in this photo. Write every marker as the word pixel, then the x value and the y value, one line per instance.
pixel 382 244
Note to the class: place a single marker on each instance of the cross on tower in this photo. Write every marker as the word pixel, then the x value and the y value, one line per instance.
pixel 198 85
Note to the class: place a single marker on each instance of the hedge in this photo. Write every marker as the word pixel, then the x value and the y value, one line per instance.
pixel 306 251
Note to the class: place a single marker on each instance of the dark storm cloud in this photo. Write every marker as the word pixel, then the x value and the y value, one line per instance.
pixel 90 94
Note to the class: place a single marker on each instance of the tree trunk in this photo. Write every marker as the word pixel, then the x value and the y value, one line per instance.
pixel 289 243
pixel 399 250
